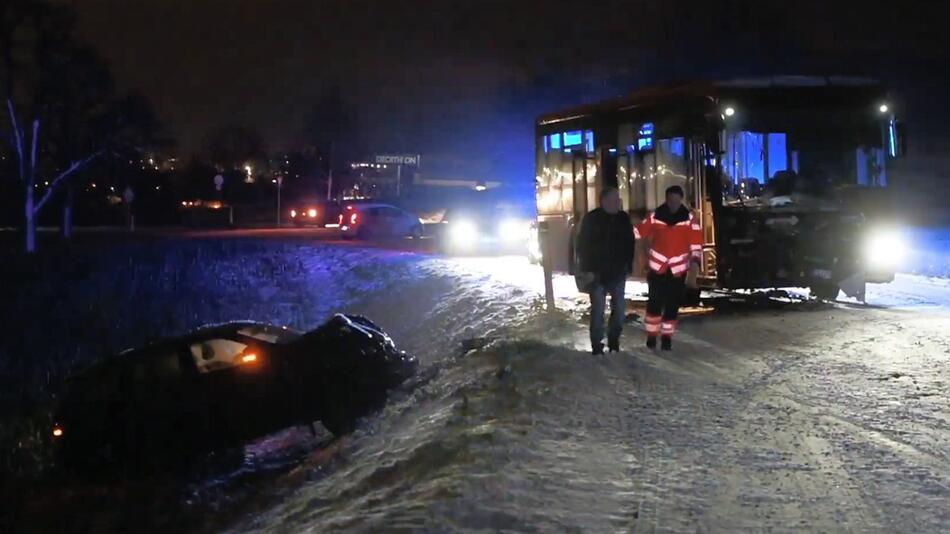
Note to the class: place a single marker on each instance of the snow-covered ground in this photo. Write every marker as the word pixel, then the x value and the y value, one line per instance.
pixel 820 418
pixel 810 417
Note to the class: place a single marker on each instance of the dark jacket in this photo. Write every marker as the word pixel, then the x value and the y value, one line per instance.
pixel 605 245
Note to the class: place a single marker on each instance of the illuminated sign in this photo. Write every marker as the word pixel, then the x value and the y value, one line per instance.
pixel 398 159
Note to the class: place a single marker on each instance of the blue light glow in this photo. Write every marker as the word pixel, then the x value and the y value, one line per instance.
pixel 892 138
pixel 555 140
pixel 645 142
pixel 589 136
pixel 677 146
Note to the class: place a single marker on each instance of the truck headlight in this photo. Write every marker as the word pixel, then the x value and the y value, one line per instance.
pixel 463 233
pixel 884 249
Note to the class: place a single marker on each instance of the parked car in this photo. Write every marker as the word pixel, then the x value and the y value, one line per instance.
pixel 314 213
pixel 200 212
pixel 222 386
pixel 374 220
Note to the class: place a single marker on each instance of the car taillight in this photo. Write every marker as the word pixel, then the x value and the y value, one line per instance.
pixel 293 213
pixel 249 358
pixel 57 431
pixel 340 219
pixel 353 219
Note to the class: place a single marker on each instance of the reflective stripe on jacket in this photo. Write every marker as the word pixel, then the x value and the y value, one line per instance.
pixel 671 245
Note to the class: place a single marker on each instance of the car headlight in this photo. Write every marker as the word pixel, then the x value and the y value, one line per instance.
pixel 884 249
pixel 513 230
pixel 463 233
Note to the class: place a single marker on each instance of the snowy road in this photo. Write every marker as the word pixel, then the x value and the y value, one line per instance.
pixel 822 418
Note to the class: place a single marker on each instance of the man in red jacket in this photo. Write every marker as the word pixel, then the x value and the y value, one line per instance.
pixel 675 239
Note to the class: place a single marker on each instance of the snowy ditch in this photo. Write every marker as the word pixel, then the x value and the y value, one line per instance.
pixel 511 425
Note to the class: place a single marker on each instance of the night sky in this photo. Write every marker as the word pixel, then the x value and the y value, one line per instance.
pixel 435 76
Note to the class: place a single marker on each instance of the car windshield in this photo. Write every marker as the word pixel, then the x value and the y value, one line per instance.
pixel 269 334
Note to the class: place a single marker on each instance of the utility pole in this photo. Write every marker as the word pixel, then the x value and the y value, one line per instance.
pixel 280 182
pixel 330 173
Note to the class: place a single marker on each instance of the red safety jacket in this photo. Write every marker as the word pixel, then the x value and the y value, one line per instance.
pixel 675 238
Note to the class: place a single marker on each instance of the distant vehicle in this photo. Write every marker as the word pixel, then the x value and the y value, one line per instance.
pixel 222 386
pixel 489 229
pixel 201 212
pixel 770 166
pixel 375 220
pixel 314 213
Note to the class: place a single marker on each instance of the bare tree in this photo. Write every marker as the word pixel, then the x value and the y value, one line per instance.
pixel 65 86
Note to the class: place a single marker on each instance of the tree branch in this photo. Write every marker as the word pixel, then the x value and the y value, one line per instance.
pixel 17 137
pixel 75 166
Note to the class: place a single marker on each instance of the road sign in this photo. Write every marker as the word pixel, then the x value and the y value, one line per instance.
pixel 398 159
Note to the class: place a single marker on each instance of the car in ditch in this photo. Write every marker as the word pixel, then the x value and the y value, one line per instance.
pixel 221 387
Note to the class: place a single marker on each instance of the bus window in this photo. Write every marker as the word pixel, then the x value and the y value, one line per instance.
pixel 754 156
pixel 671 167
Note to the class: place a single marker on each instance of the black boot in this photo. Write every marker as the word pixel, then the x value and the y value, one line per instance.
pixel 613 345
pixel 651 342
pixel 666 343
pixel 597 349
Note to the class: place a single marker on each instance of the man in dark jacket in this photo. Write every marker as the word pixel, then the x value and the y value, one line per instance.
pixel 605 257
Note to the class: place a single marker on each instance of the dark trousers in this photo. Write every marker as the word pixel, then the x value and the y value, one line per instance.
pixel 666 293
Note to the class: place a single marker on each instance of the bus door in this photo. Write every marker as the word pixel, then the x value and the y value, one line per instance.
pixel 703 172
pixel 584 195
pixel 632 170
pixel 580 182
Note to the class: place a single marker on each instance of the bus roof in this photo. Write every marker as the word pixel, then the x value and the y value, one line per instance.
pixel 717 90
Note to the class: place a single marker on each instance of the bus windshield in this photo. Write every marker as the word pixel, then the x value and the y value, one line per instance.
pixel 800 164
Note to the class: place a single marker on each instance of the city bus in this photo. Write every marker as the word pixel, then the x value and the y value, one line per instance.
pixel 774 169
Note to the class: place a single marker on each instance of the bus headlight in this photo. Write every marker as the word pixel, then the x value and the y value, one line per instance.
pixel 513 230
pixel 884 249
pixel 463 233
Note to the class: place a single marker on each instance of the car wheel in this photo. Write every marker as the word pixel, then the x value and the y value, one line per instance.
pixel 417 232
